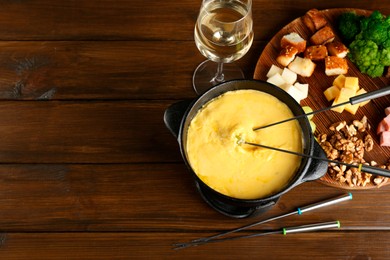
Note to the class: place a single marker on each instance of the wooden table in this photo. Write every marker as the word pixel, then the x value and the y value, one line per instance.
pixel 88 169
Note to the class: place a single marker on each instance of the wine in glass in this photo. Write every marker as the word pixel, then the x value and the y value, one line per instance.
pixel 223 34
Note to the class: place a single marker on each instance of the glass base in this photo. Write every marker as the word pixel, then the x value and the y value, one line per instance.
pixel 204 75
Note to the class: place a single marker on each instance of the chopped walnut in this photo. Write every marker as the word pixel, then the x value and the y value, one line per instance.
pixel 347 145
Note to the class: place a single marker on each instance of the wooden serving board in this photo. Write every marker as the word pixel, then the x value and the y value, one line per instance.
pixel 319 81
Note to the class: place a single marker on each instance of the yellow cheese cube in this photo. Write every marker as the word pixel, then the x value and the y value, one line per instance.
pixel 352 108
pixel 339 81
pixel 352 83
pixel 331 93
pixel 360 92
pixel 344 96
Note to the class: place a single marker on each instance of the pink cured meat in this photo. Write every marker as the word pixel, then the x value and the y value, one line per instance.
pixel 387 111
pixel 381 127
pixel 384 139
pixel 386 122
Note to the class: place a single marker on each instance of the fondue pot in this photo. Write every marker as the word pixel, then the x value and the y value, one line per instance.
pixel 178 117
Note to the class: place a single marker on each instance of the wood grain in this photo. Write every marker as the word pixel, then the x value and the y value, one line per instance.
pixel 143 246
pixel 150 198
pixel 119 70
pixel 319 81
pixel 89 171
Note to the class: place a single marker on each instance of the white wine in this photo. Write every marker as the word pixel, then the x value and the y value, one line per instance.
pixel 223 31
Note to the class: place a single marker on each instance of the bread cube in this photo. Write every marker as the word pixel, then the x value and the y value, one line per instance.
pixel 335 66
pixel 302 66
pixel 295 40
pixel 316 52
pixel 287 55
pixel 322 36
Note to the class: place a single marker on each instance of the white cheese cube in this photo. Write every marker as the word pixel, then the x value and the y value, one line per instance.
pixel 289 76
pixel 294 92
pixel 304 88
pixel 274 70
pixel 276 80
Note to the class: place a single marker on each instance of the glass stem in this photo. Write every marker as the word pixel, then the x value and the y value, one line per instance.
pixel 219 77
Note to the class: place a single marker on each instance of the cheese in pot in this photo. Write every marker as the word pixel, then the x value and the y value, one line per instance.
pixel 240 170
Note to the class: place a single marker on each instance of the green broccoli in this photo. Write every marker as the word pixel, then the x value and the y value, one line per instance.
pixel 370 43
pixel 366 55
pixel 385 57
pixel 375 28
pixel 349 25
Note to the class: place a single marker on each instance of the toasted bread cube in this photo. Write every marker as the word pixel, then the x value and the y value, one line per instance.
pixel 316 52
pixel 339 81
pixel 273 70
pixel 344 96
pixel 337 49
pixel 289 76
pixel 302 66
pixel 295 40
pixel 314 20
pixel 322 36
pixel 331 93
pixel 335 66
pixel 360 92
pixel 352 83
pixel 287 55
pixel 276 80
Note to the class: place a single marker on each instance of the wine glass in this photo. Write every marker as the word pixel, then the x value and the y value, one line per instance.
pixel 223 34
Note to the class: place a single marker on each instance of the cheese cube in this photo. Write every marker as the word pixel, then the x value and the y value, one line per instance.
pixel 276 80
pixel 294 92
pixel 339 81
pixel 352 108
pixel 289 76
pixel 331 93
pixel 304 88
pixel 352 83
pixel 344 96
pixel 360 92
pixel 274 70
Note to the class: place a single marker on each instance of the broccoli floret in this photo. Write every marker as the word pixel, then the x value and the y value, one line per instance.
pixel 349 25
pixel 375 28
pixel 385 57
pixel 366 55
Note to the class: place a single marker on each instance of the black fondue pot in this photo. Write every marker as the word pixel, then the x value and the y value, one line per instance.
pixel 179 115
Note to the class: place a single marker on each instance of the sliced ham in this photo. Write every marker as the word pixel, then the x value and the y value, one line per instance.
pixel 386 122
pixel 384 139
pixel 387 111
pixel 381 127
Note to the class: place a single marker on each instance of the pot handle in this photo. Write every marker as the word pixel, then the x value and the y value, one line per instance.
pixel 317 168
pixel 173 116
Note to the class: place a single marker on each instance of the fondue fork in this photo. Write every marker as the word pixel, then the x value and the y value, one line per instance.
pixel 353 100
pixel 284 231
pixel 299 211
pixel 360 166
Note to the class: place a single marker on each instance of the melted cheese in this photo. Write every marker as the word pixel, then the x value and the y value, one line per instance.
pixel 240 170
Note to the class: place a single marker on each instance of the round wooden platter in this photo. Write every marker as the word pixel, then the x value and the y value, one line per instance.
pixel 319 81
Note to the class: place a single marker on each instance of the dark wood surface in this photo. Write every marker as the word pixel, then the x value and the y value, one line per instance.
pixel 88 169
